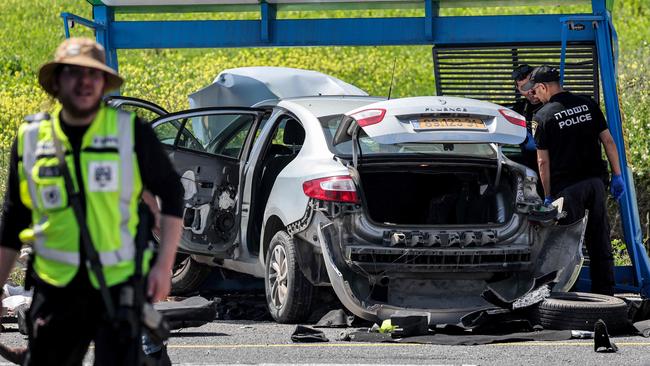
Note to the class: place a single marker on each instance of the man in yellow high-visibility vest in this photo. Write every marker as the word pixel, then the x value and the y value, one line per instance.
pixel 111 157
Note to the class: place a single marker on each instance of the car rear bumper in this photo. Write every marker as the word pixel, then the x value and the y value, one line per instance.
pixel 435 287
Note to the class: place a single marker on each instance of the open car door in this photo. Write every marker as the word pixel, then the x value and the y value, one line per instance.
pixel 207 147
pixel 142 108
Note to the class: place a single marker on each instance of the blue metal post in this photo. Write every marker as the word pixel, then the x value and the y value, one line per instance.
pixel 431 11
pixel 269 12
pixel 628 205
pixel 565 34
pixel 70 20
pixel 105 16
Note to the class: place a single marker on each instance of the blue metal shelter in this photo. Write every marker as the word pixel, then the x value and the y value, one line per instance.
pixel 431 29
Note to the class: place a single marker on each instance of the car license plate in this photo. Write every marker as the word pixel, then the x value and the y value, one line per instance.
pixel 448 123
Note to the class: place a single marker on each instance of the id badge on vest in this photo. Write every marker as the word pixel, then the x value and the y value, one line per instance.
pixel 50 188
pixel 103 176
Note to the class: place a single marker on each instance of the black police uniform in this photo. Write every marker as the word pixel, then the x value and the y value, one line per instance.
pixel 528 110
pixel 568 126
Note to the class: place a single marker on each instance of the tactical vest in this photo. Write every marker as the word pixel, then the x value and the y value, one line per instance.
pixel 112 187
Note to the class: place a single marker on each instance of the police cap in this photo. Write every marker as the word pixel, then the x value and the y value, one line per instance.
pixel 521 72
pixel 541 74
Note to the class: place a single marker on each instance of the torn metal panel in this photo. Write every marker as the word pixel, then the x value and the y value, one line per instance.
pixel 559 248
pixel 377 276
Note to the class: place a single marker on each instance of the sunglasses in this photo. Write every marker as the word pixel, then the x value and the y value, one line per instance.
pixel 80 71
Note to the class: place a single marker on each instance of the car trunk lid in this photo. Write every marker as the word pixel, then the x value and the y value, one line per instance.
pixel 422 120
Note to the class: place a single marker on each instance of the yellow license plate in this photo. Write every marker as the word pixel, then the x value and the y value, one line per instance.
pixel 448 123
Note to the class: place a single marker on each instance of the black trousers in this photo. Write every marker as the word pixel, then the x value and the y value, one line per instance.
pixel 590 194
pixel 63 321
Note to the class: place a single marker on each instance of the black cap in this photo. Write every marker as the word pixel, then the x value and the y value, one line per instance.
pixel 521 72
pixel 542 74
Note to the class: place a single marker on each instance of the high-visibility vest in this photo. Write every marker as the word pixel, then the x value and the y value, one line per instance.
pixel 112 187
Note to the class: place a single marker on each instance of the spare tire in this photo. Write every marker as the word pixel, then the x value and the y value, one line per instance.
pixel 579 311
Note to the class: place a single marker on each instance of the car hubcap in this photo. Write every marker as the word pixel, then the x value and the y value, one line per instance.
pixel 278 276
pixel 179 264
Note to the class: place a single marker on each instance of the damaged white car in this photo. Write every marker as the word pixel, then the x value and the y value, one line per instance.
pixel 403 206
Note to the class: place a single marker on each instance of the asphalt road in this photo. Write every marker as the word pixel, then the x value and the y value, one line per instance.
pixel 250 342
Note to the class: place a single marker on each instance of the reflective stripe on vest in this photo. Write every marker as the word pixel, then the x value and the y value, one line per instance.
pixel 30 139
pixel 126 251
pixel 125 149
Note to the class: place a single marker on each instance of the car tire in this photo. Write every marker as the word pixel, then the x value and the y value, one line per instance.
pixel 188 275
pixel 580 311
pixel 288 292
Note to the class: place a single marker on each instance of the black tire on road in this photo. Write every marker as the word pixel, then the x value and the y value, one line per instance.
pixel 295 305
pixel 188 275
pixel 579 311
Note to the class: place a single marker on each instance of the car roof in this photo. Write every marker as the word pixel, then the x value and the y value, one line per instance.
pixel 327 105
pixel 247 86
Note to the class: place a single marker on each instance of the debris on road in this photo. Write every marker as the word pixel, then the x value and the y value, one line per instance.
pixel 602 344
pixel 335 319
pixel 191 312
pixel 303 334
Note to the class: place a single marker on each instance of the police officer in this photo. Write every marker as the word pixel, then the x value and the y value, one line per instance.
pixel 570 130
pixel 527 108
pixel 111 156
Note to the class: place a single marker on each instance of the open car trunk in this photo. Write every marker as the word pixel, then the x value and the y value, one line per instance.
pixel 437 194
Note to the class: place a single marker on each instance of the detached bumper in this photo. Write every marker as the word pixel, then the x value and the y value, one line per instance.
pixel 444 297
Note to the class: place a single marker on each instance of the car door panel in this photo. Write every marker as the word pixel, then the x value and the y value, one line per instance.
pixel 206 152
pixel 211 186
pixel 143 108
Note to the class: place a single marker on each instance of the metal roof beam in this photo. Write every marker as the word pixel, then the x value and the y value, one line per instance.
pixel 341 32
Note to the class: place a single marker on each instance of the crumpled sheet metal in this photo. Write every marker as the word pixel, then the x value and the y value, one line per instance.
pixel 559 248
pixel 335 319
pixel 520 291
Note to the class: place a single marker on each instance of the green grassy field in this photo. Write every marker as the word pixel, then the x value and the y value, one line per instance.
pixel 30 30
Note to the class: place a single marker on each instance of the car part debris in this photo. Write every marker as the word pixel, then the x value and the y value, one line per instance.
pixel 532 297
pixel 518 292
pixel 191 312
pixel 582 334
pixel 303 334
pixel 580 311
pixel 465 339
pixel 335 319
pixel 559 248
pixel 602 344
pixel 385 328
pixel 643 327
pixel 409 325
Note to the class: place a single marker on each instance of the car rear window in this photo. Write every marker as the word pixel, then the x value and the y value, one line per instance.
pixel 369 147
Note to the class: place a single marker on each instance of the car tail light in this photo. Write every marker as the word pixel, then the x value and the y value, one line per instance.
pixel 369 117
pixel 339 189
pixel 513 117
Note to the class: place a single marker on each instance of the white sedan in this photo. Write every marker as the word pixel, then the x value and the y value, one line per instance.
pixel 403 206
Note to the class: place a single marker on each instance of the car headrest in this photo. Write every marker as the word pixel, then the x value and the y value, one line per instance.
pixel 294 133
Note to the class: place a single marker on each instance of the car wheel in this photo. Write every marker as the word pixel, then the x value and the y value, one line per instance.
pixel 187 275
pixel 580 311
pixel 288 292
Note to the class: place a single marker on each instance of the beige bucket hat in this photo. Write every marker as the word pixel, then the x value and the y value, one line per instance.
pixel 81 52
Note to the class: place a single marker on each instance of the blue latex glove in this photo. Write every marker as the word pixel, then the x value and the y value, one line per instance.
pixel 529 143
pixel 617 187
pixel 548 200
